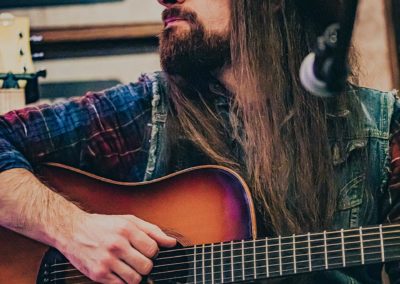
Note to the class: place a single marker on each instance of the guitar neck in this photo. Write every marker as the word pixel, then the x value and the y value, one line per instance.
pixel 11 99
pixel 283 256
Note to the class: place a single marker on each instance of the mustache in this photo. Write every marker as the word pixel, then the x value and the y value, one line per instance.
pixel 189 16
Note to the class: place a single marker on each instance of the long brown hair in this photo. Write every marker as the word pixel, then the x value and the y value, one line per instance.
pixel 280 128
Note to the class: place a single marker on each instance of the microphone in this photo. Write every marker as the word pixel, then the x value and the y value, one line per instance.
pixel 324 72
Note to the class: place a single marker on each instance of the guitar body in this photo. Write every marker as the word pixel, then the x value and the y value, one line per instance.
pixel 200 205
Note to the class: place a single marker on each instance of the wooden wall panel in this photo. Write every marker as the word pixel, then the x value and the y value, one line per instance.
pixel 121 12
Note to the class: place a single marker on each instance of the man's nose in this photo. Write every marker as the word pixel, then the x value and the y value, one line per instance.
pixel 169 3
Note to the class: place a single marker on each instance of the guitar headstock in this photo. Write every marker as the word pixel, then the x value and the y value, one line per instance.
pixel 15 51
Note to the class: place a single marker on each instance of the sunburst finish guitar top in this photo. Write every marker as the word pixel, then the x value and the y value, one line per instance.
pixel 201 205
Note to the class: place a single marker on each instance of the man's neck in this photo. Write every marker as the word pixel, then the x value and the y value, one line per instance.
pixel 237 87
pixel 227 78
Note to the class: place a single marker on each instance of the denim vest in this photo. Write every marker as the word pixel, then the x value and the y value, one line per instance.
pixel 360 156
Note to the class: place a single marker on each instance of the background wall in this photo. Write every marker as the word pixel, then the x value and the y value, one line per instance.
pixel 121 12
pixel 371 40
pixel 124 67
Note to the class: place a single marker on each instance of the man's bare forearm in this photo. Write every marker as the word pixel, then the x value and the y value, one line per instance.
pixel 30 208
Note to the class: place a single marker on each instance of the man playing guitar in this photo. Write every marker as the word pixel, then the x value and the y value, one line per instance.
pixel 229 94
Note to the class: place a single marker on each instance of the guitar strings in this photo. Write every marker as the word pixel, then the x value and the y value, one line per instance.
pixel 357 231
pixel 269 245
pixel 262 275
pixel 262 266
pixel 223 279
pixel 255 276
pixel 261 253
pixel 290 238
pixel 299 236
pixel 264 246
pixel 271 259
pixel 276 259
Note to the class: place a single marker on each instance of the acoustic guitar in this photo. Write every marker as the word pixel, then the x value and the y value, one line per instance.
pixel 210 212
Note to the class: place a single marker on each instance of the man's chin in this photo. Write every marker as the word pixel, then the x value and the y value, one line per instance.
pixel 179 31
pixel 185 50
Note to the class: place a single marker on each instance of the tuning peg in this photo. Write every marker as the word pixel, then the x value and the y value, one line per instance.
pixel 38 55
pixel 41 73
pixel 36 38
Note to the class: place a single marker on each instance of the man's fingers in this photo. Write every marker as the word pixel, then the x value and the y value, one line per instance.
pixel 113 279
pixel 136 260
pixel 116 248
pixel 144 243
pixel 126 272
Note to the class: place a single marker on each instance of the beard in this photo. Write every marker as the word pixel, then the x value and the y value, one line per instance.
pixel 193 52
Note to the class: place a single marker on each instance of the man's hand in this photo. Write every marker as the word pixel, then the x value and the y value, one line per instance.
pixel 106 248
pixel 114 249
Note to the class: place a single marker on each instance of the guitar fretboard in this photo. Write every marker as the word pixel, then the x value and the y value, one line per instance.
pixel 282 256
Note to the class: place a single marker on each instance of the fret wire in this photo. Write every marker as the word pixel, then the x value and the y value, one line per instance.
pixel 212 263
pixel 233 273
pixel 194 265
pixel 243 277
pixel 222 263
pixel 266 256
pixel 254 259
pixel 325 251
pixel 343 248
pixel 361 247
pixel 309 252
pixel 203 264
pixel 382 246
pixel 280 255
pixel 294 254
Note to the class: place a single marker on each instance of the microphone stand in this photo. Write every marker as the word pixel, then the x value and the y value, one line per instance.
pixel 324 72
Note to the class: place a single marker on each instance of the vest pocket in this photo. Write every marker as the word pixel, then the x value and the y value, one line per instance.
pixel 350 199
pixel 350 167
